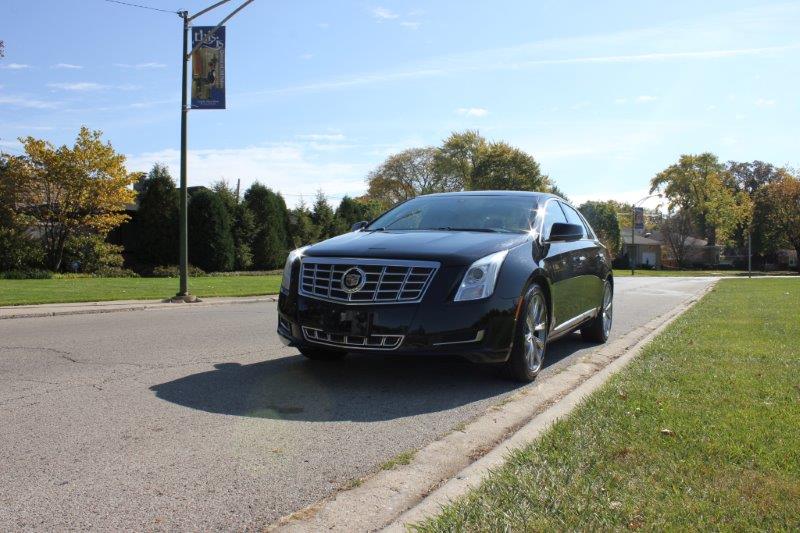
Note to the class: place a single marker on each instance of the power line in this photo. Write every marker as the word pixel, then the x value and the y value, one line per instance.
pixel 141 6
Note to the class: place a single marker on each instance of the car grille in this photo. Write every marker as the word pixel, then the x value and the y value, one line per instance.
pixel 386 281
pixel 371 342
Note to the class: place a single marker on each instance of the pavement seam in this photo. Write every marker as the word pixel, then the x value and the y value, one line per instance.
pixel 384 497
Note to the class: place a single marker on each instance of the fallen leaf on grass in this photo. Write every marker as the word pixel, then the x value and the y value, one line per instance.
pixel 668 432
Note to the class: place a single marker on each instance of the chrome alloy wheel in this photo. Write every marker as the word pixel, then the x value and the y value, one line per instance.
pixel 608 310
pixel 535 332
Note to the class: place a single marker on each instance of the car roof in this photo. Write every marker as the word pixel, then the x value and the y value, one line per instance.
pixel 533 194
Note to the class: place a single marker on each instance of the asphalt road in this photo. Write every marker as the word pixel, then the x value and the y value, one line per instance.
pixel 200 419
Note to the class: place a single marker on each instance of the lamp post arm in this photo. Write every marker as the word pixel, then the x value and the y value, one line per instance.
pixel 206 10
pixel 210 34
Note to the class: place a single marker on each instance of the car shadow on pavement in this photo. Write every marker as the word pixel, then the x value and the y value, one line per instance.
pixel 359 388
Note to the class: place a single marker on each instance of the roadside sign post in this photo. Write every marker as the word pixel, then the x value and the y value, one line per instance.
pixel 637 222
pixel 206 93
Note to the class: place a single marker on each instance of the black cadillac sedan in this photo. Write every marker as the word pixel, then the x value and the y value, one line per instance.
pixel 493 276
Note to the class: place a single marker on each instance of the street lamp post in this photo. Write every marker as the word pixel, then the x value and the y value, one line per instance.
pixel 632 252
pixel 183 290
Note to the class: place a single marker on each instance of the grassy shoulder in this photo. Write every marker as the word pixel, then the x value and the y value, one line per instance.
pixel 701 273
pixel 699 432
pixel 41 291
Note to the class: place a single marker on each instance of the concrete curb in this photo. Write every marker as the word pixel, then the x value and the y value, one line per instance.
pixel 92 308
pixel 450 466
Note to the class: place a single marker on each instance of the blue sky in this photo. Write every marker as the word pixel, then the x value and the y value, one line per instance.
pixel 602 94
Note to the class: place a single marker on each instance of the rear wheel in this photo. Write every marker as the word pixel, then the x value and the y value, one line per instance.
pixel 599 329
pixel 322 354
pixel 530 342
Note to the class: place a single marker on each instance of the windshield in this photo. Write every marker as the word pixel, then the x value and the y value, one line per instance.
pixel 490 213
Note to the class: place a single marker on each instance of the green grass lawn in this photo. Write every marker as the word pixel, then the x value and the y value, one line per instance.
pixel 700 432
pixel 724 273
pixel 40 291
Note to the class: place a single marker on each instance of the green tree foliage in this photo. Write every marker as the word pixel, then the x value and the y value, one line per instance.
pixel 271 221
pixel 702 186
pixel 465 161
pixel 243 224
pixel 301 227
pixel 210 238
pixel 352 210
pixel 91 253
pixel 777 207
pixel 71 190
pixel 156 223
pixel 503 167
pixel 18 249
pixel 750 178
pixel 602 216
pixel 323 217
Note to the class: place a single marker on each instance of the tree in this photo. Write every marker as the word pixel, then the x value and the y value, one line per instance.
pixel 405 175
pixel 503 167
pixel 78 189
pixel 779 204
pixel 602 216
pixel 210 239
pixel 352 210
pixel 301 228
pixel 156 223
pixel 750 178
pixel 676 228
pixel 18 250
pixel 243 224
pixel 458 157
pixel 270 216
pixel 323 217
pixel 701 186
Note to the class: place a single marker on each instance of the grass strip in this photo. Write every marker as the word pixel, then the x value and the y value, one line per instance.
pixel 698 432
pixel 41 291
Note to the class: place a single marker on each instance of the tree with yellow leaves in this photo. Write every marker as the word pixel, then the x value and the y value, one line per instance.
pixel 70 191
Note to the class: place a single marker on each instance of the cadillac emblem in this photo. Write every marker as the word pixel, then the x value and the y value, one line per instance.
pixel 353 280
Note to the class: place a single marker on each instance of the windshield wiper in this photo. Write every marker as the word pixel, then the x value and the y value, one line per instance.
pixel 451 228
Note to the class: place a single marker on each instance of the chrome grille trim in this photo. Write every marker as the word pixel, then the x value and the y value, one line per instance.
pixel 388 281
pixel 358 342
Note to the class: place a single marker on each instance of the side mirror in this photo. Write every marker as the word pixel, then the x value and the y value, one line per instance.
pixel 562 232
pixel 359 225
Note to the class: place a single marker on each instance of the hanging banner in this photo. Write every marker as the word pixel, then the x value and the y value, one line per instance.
pixel 208 68
pixel 638 218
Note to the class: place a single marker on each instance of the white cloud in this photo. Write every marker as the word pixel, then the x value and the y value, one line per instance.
pixel 411 25
pixel 472 111
pixel 321 137
pixel 68 66
pixel 21 101
pixel 580 105
pixel 765 102
pixel 283 167
pixel 382 13
pixel 140 66
pixel 643 99
pixel 620 101
pixel 80 86
pixel 15 66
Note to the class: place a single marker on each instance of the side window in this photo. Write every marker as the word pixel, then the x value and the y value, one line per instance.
pixel 552 214
pixel 573 217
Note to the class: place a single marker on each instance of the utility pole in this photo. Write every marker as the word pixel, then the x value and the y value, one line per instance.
pixel 183 292
pixel 632 260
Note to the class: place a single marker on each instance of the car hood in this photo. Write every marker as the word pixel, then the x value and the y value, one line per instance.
pixel 447 247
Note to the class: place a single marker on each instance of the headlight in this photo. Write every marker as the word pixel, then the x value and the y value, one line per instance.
pixel 287 268
pixel 481 277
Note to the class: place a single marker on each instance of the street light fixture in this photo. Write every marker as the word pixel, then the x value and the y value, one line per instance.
pixel 632 252
pixel 183 291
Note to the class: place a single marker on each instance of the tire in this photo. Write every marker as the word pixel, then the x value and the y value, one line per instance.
pixel 530 338
pixel 322 354
pixel 599 328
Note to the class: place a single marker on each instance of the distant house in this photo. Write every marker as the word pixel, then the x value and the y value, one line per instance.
pixel 645 251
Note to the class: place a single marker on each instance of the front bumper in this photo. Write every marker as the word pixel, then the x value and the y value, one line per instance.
pixel 481 331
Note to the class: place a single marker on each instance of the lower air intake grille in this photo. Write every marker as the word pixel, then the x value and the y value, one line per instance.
pixel 371 342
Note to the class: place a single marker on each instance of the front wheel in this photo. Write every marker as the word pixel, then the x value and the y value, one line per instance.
pixel 322 354
pixel 599 329
pixel 530 341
